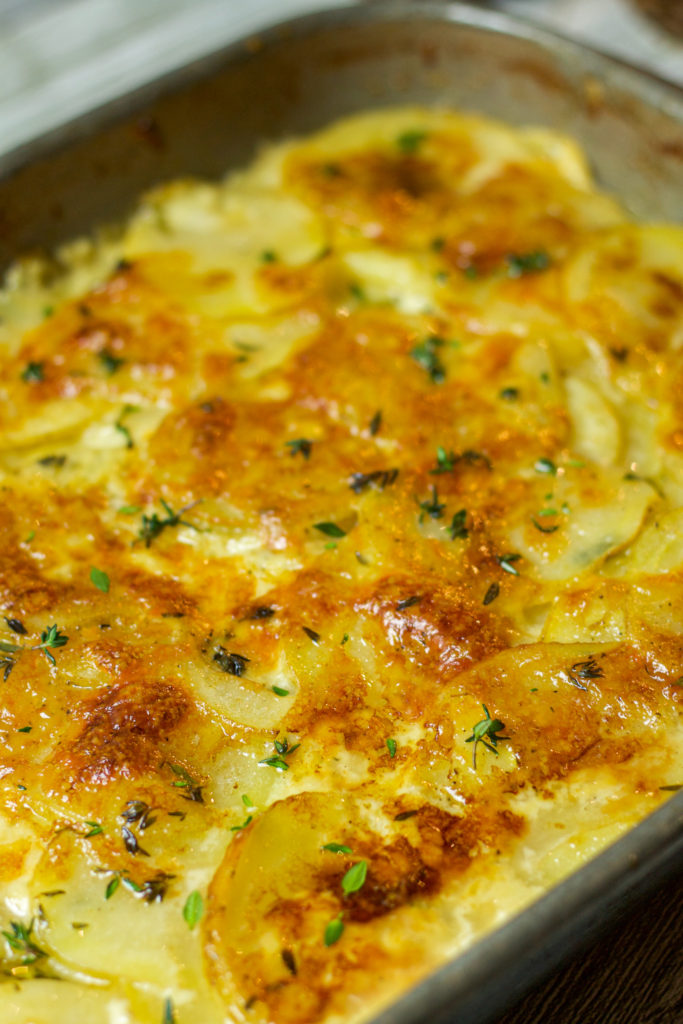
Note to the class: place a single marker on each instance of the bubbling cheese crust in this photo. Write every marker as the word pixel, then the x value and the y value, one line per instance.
pixel 351 488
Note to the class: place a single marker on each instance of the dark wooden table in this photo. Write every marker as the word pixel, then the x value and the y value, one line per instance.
pixel 632 975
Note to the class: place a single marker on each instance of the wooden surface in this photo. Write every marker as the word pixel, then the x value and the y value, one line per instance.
pixel 633 975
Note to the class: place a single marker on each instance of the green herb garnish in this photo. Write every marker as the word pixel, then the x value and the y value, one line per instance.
pixel 330 529
pixel 20 941
pixel 409 142
pixel 545 466
pixel 153 525
pixel 354 879
pixel 520 264
pixel 100 579
pixel 277 760
pixel 432 507
pixel 193 909
pixel 50 638
pixel 300 446
pixel 391 747
pixel 426 355
pixel 334 931
pixel 33 372
pixel 445 461
pixel 486 732
pixel 457 529
pixel 337 848
pixel 110 363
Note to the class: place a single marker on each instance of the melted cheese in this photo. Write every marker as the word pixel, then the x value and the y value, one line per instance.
pixel 431 334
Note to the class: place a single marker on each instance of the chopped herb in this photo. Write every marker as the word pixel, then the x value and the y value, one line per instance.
pixel 344 639
pixel 7 664
pixel 48 311
pixel 445 461
pixel 354 879
pixel 99 579
pixel 279 691
pixel 391 747
pixel 408 602
pixel 330 529
pixel 288 960
pixel 485 732
pixel 520 264
pixel 283 750
pixel 382 477
pixel 94 829
pixel 27 728
pixel 409 142
pixel 473 458
pixel 152 525
pixel 130 841
pixel 185 781
pixel 505 562
pixel 671 789
pixel 110 363
pixel 545 466
pixel 57 461
pixel 16 626
pixel 331 545
pixel 124 431
pixel 30 537
pixel 129 510
pixel 268 256
pixel 426 355
pixel 337 848
pixel 311 634
pixel 492 593
pixel 432 506
pixel 588 669
pixel 549 511
pixel 457 529
pixel 576 463
pixel 33 372
pixel 49 638
pixel 233 664
pixel 334 931
pixel 405 815
pixel 545 529
pixel 437 244
pixel 168 1016
pixel 138 811
pixel 193 909
pixel 509 394
pixel 112 886
pixel 262 612
pixel 20 940
pixel 250 817
pixel 356 291
pixel 300 446
pixel 375 423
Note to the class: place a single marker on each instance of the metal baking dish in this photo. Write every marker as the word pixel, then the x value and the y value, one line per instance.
pixel 292 78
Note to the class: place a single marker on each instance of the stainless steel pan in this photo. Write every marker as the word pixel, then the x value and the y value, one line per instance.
pixel 293 78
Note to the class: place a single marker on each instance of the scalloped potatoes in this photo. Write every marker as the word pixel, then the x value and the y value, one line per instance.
pixel 341 569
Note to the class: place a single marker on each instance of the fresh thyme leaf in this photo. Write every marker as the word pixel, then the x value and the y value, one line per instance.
pixel 50 637
pixel 27 728
pixel 457 529
pixel 300 446
pixel 20 941
pixel 193 909
pixel 95 829
pixel 262 611
pixel 9 648
pixel 509 394
pixel 100 579
pixel 408 602
pixel 337 848
pixel 544 529
pixel 186 782
pixel 375 423
pixel 311 634
pixel 7 664
pixel 33 372
pixel 520 264
pixel 153 525
pixel 357 291
pixel 280 691
pixel 277 760
pixel 56 461
pixel 344 639
pixel 492 593
pixel 112 886
pixel 544 465
pixel 330 529
pixel 268 256
pixel 486 732
pixel 110 363
pixel 432 506
pixel 426 355
pixel 354 879
pixel 382 477
pixel 410 141
pixel 505 562
pixel 333 931
pixel 16 626
pixel 445 461
pixel 168 1016
pixel 129 510
pixel 391 747
pixel 233 664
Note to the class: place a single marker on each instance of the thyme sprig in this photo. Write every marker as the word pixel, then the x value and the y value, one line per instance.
pixel 486 732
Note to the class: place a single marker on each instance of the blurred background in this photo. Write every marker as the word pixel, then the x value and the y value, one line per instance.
pixel 59 58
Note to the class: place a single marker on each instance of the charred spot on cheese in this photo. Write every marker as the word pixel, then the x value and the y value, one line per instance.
pixel 379 444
